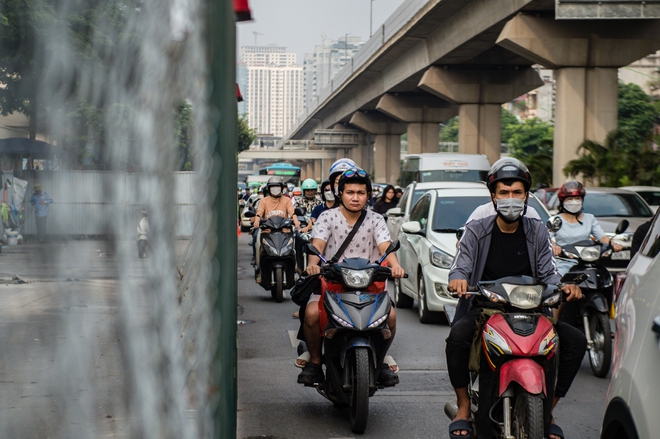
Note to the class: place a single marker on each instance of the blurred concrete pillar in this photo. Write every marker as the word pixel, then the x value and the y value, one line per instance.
pixel 586 56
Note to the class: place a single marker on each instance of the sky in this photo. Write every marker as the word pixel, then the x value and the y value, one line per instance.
pixel 299 24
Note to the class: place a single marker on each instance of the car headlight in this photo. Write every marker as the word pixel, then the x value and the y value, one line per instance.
pixel 440 258
pixel 357 278
pixel 524 296
pixel 590 253
pixel 269 248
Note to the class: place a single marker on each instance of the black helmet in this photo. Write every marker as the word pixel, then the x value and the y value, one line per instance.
pixel 508 169
pixel 354 175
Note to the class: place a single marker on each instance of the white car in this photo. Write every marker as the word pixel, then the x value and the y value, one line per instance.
pixel 651 194
pixel 633 397
pixel 399 215
pixel 428 245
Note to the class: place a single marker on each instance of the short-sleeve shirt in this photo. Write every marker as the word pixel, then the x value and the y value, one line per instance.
pixel 318 210
pixel 333 228
pixel 574 232
pixel 271 206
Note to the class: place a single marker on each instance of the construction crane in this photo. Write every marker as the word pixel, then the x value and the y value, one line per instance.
pixel 255 36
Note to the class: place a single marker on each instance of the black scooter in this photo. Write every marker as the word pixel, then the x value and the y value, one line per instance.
pixel 277 258
pixel 356 334
pixel 593 311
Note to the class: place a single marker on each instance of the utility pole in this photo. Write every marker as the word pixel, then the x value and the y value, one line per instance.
pixel 371 17
pixel 346 49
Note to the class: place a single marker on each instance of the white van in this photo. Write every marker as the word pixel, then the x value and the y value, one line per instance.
pixel 444 166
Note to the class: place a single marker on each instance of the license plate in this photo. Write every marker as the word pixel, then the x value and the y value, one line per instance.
pixel 622 255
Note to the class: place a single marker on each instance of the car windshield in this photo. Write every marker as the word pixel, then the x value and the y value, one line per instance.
pixel 614 204
pixel 453 175
pixel 451 212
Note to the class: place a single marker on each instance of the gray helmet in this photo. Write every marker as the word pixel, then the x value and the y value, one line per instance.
pixel 508 169
pixel 276 181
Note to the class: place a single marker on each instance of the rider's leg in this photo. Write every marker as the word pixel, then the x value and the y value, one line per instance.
pixel 311 328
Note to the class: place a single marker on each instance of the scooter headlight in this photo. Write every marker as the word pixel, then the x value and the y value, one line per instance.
pixel 357 278
pixel 288 248
pixel 552 300
pixel 589 254
pixel 341 321
pixel 379 321
pixel 524 296
pixel 270 250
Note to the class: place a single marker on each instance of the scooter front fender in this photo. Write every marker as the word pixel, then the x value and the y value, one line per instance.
pixel 597 301
pixel 524 371
pixel 357 342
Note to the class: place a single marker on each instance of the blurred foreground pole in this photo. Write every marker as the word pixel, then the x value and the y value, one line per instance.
pixel 221 30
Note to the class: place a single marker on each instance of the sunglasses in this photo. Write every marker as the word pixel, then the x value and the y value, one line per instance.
pixel 355 172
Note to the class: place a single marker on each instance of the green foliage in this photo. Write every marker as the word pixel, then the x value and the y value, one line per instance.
pixel 509 122
pixel 636 114
pixel 183 132
pixel 449 132
pixel 246 135
pixel 531 142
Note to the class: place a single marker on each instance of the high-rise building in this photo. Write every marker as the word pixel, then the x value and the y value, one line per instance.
pixel 327 59
pixel 274 88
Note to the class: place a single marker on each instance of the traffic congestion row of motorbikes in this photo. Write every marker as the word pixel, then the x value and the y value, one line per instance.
pixel 519 346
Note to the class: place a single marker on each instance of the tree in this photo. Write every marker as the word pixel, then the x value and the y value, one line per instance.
pixel 449 132
pixel 183 132
pixel 531 142
pixel 246 135
pixel 636 114
pixel 509 122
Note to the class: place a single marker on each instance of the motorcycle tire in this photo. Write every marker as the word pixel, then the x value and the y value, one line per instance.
pixel 277 290
pixel 527 419
pixel 600 355
pixel 401 300
pixel 359 407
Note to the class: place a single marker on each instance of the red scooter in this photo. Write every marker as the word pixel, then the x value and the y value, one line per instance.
pixel 512 388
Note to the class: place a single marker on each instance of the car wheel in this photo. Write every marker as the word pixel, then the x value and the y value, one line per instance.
pixel 425 316
pixel 401 300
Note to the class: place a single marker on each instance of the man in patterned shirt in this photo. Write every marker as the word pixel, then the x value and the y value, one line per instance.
pixel 370 242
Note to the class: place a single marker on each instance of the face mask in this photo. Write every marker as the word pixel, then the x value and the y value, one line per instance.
pixel 573 206
pixel 510 209
pixel 329 196
pixel 276 191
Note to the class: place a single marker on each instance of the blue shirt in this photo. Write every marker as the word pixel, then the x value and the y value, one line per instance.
pixel 574 232
pixel 318 210
pixel 41 209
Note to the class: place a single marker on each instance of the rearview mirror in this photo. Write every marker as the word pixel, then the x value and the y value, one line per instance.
pixel 574 278
pixel 299 211
pixel 249 213
pixel 622 226
pixel 554 224
pixel 395 211
pixel 394 246
pixel 413 227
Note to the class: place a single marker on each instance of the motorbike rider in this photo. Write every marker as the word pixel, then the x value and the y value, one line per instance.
pixel 370 241
pixel 505 244
pixel 336 169
pixel 274 205
pixel 309 200
pixel 328 197
pixel 576 224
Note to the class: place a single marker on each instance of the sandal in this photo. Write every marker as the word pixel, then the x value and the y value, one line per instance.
pixel 304 357
pixel 391 363
pixel 312 374
pixel 460 425
pixel 555 430
pixel 387 377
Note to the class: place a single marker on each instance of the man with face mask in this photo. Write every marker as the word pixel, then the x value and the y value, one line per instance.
pixel 506 244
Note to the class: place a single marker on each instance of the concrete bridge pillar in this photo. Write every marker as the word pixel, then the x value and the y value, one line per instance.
pixel 586 56
pixel 480 93
pixel 423 114
pixel 387 144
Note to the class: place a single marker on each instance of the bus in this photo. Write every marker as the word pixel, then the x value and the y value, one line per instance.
pixel 290 173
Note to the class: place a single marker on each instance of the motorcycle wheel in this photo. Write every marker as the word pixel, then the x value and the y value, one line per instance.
pixel 359 408
pixel 600 356
pixel 401 300
pixel 527 420
pixel 278 289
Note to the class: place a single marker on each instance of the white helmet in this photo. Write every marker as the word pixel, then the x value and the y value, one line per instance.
pixel 338 168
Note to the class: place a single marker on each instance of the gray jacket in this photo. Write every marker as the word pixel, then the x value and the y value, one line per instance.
pixel 470 260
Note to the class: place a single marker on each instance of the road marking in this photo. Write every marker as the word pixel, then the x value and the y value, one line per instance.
pixel 293 336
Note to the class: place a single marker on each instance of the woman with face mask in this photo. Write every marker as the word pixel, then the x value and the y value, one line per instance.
pixel 576 225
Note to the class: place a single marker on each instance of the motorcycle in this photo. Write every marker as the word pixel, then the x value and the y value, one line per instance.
pixel 354 316
pixel 593 310
pixel 511 395
pixel 302 239
pixel 276 255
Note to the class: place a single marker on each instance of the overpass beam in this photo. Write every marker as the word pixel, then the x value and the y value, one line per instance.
pixel 586 56
pixel 423 114
pixel 480 93
pixel 387 144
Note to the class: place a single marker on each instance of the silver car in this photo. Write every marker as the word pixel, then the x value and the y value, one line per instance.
pixel 633 397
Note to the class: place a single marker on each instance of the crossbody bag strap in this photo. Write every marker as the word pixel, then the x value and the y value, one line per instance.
pixel 349 238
